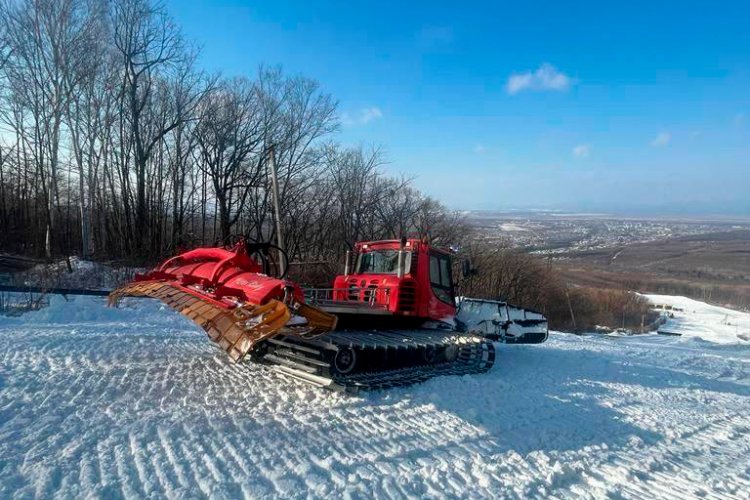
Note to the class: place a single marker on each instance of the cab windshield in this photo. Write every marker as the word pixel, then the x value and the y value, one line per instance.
pixel 381 262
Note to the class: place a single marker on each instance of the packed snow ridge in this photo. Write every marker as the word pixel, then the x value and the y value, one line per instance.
pixel 135 402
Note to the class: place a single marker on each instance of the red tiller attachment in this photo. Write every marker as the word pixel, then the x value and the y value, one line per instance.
pixel 226 294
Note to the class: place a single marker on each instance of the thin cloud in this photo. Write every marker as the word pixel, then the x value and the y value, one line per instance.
pixel 739 119
pixel 545 77
pixel 582 151
pixel 369 114
pixel 662 139
pixel 363 116
pixel 479 149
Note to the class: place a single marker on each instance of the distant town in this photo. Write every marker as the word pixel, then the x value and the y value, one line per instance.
pixel 554 232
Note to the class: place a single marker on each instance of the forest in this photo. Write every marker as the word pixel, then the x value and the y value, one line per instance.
pixel 116 145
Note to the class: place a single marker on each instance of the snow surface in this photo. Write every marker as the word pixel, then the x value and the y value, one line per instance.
pixel 693 318
pixel 137 403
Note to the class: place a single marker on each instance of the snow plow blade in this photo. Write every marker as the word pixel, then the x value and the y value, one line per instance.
pixel 236 330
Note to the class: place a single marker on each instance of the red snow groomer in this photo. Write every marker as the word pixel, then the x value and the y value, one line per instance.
pixel 390 319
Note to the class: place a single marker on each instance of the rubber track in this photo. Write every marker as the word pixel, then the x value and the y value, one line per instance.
pixel 301 359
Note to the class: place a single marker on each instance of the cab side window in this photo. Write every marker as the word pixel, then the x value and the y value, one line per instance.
pixel 440 277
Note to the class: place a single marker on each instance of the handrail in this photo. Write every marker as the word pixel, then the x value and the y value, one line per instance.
pixel 329 296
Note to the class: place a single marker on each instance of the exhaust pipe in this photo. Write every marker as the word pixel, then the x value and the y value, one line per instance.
pixel 348 263
pixel 400 269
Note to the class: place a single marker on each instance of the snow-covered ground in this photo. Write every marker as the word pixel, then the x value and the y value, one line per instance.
pixel 137 403
pixel 693 318
pixel 72 273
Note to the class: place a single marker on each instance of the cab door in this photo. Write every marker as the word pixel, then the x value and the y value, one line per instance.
pixel 442 302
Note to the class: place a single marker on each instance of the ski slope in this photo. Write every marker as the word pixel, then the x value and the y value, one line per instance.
pixel 693 318
pixel 137 403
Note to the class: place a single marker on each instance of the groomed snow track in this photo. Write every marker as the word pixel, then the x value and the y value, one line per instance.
pixel 134 402
pixel 389 358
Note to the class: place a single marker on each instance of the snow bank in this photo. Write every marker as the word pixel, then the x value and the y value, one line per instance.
pixel 88 310
pixel 84 274
pixel 135 402
pixel 692 318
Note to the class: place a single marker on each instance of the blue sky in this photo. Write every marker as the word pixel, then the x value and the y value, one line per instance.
pixel 618 107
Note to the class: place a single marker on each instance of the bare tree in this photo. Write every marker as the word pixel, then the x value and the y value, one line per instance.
pixel 51 43
pixel 230 143
pixel 295 115
pixel 149 46
pixel 189 89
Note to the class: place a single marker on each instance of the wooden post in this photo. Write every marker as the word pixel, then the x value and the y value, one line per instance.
pixel 572 316
pixel 276 208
